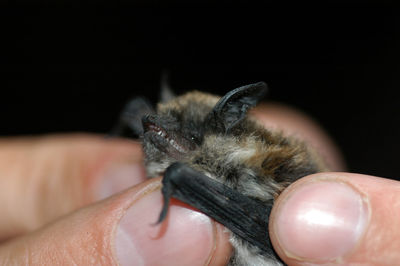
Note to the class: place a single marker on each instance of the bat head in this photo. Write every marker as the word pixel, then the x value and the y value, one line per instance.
pixel 180 125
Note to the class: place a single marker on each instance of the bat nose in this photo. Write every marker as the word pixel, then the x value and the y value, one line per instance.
pixel 148 120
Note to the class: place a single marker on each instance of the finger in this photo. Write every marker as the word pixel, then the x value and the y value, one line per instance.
pixel 293 122
pixel 42 178
pixel 121 230
pixel 338 218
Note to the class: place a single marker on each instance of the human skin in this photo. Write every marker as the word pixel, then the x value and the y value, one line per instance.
pixel 82 199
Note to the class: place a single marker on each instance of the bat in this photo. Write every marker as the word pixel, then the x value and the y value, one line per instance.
pixel 216 158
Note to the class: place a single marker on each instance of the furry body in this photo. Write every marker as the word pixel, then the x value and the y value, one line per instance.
pixel 243 155
pixel 252 160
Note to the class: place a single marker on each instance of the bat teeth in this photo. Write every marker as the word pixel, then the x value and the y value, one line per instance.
pixel 176 145
pixel 161 133
pixel 179 148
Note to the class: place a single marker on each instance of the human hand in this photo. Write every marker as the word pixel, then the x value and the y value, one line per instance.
pixel 338 218
pixel 50 189
pixel 332 218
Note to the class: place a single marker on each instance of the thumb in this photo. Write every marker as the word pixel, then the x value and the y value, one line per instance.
pixel 338 218
pixel 119 230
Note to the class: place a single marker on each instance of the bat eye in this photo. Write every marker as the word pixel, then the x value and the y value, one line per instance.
pixel 195 139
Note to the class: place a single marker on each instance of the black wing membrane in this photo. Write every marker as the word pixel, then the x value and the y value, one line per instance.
pixel 242 215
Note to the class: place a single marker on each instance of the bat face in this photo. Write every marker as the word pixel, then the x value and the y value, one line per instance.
pixel 218 160
pixel 175 131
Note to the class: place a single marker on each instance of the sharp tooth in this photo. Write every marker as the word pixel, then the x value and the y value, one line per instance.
pixel 176 146
pixel 179 149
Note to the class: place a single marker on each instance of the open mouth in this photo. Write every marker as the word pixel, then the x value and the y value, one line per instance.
pixel 162 140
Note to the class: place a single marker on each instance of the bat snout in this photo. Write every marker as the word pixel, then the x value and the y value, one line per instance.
pixel 148 122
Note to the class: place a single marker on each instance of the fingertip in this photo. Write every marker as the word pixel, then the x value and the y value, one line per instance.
pixel 222 250
pixel 321 220
pixel 337 218
pixel 185 237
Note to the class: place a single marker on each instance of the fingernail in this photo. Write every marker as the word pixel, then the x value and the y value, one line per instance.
pixel 322 220
pixel 184 238
pixel 117 178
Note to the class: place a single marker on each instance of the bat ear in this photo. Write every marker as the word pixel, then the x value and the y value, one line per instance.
pixel 166 93
pixel 232 107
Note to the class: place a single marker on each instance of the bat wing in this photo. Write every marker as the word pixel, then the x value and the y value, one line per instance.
pixel 245 217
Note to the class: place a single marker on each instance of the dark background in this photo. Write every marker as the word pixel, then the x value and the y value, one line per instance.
pixel 68 69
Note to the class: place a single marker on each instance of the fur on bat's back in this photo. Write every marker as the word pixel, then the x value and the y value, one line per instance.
pixel 259 163
pixel 253 160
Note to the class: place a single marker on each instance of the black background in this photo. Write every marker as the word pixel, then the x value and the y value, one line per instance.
pixel 69 69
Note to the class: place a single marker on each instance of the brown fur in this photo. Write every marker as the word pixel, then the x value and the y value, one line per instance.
pixel 255 161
